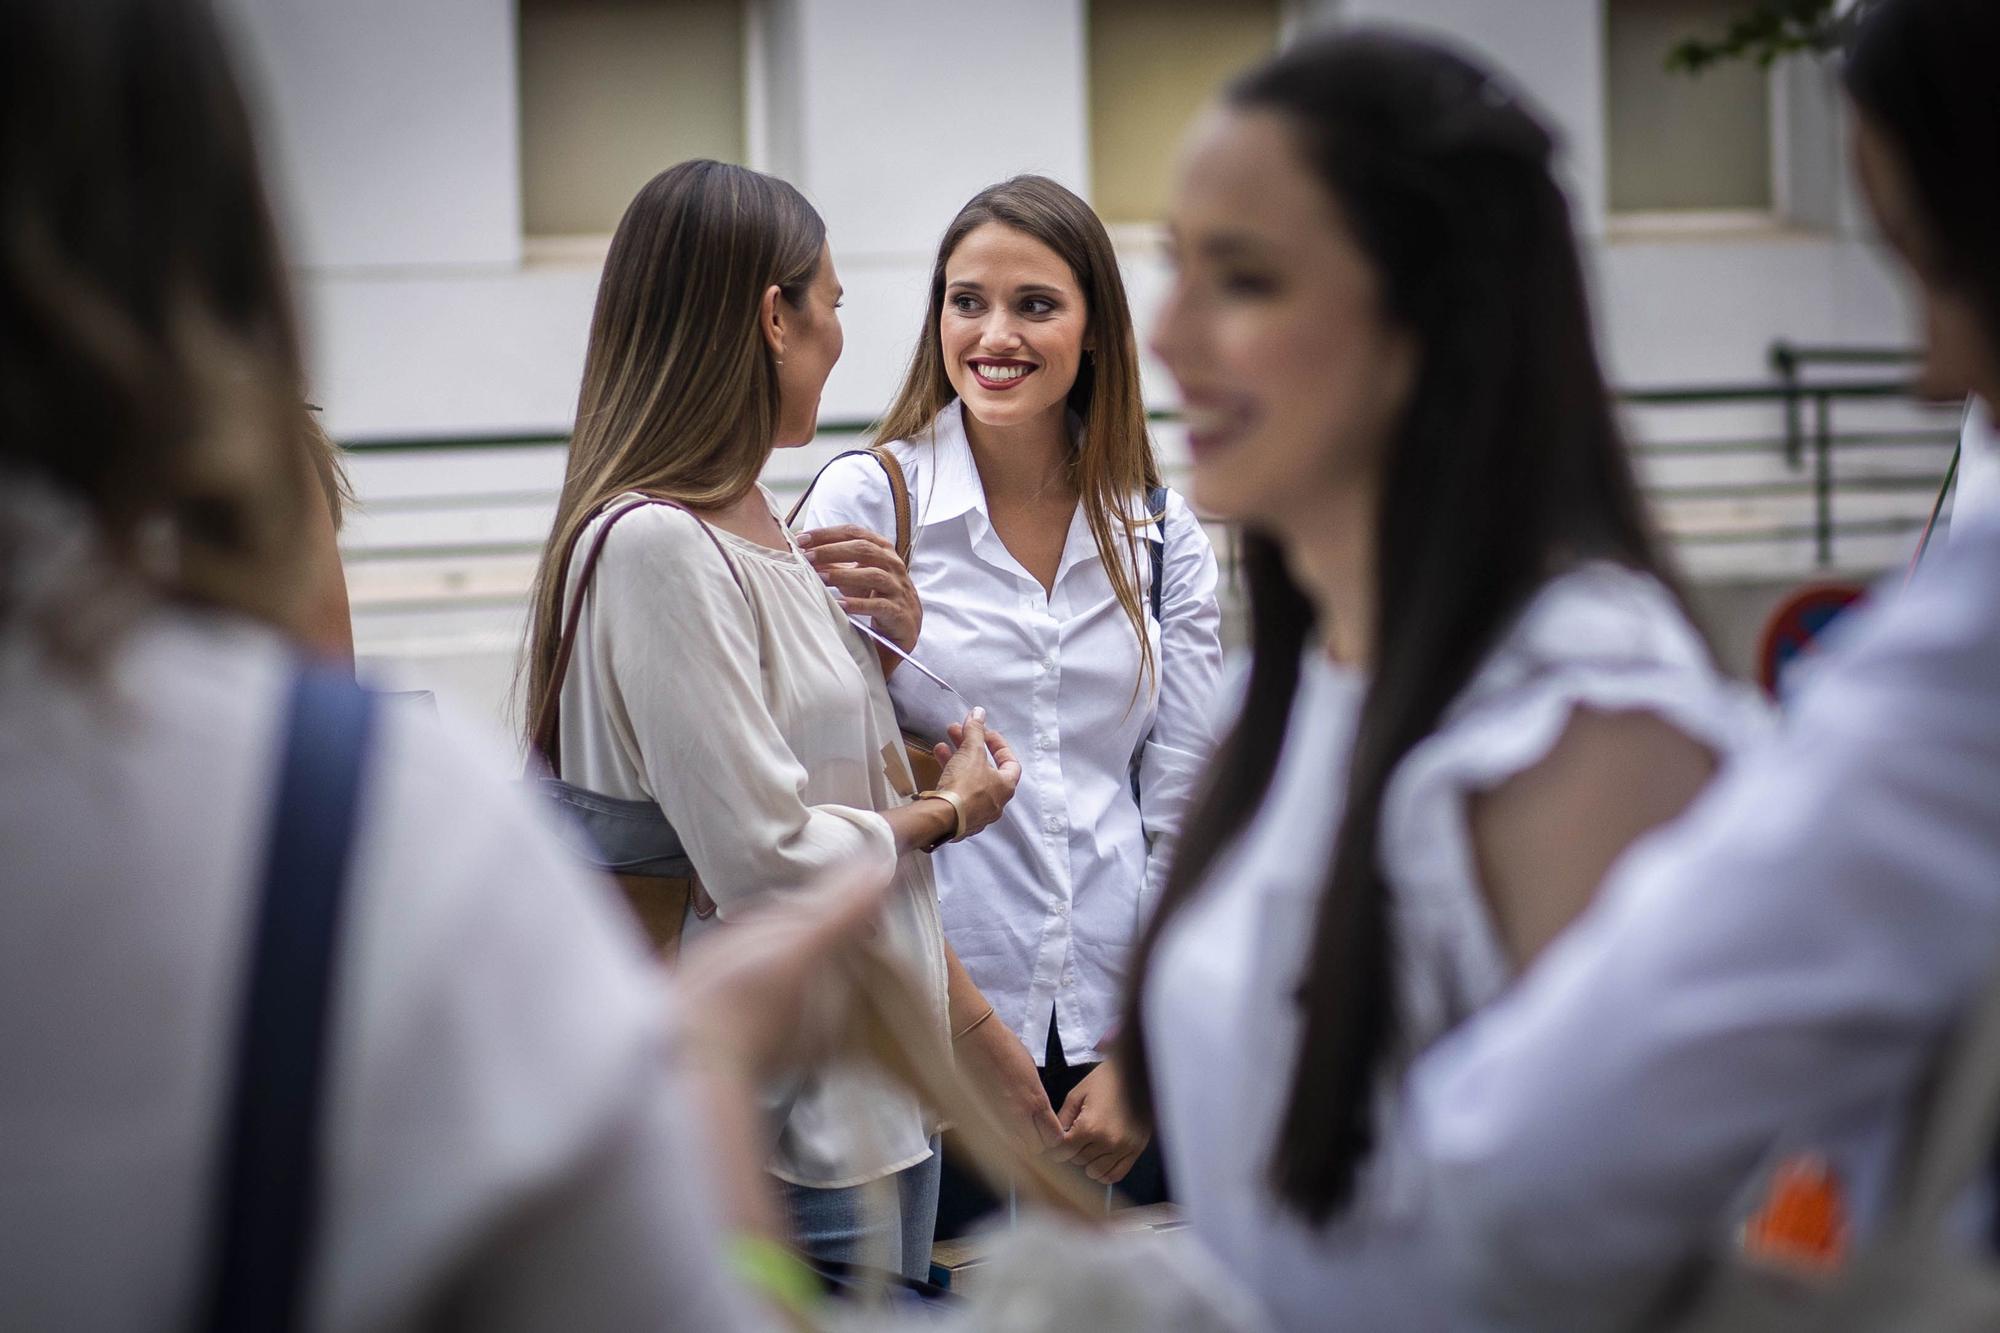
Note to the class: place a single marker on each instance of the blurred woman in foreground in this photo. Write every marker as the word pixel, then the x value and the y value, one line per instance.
pixel 1472 684
pixel 519 1129
pixel 1593 1131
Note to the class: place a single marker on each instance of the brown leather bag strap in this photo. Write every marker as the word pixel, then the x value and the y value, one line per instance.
pixel 547 712
pixel 899 492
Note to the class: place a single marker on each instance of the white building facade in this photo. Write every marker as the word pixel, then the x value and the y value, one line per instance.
pixel 449 172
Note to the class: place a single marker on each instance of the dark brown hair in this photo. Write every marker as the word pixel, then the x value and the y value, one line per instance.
pixel 1506 467
pixel 1114 460
pixel 149 365
pixel 1922 71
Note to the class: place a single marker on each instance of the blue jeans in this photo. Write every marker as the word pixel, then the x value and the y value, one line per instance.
pixel 885 1223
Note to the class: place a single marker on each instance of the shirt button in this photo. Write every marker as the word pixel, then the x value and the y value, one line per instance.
pixel 1054 824
pixel 1048 664
pixel 1041 742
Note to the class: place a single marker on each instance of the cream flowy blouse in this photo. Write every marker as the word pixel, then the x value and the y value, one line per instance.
pixel 758 720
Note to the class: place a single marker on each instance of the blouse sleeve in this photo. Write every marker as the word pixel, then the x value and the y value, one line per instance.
pixel 679 636
pixel 1190 662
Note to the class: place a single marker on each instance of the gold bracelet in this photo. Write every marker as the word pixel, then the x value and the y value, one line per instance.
pixel 967 1029
pixel 957 804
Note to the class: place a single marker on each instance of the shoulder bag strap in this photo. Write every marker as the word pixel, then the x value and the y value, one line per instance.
pixel 544 735
pixel 265 1206
pixel 1156 547
pixel 899 493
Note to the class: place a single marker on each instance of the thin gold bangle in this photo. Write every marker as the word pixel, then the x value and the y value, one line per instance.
pixel 967 1029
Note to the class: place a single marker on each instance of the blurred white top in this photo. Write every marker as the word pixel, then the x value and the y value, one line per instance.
pixel 1782 966
pixel 1978 487
pixel 756 718
pixel 1043 907
pixel 507 1144
pixel 1222 1021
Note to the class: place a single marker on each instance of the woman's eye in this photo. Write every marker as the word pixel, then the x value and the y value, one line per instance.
pixel 1242 283
pixel 963 304
pixel 1038 305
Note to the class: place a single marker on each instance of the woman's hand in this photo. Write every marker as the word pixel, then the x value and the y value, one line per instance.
pixel 1099 1135
pixel 1005 1074
pixel 763 993
pixel 985 788
pixel 872 581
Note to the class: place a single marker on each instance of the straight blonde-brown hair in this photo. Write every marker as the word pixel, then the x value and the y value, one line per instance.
pixel 680 390
pixel 1113 460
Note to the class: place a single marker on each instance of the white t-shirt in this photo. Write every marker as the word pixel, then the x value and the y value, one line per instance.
pixel 1043 906
pixel 755 717
pixel 1222 1023
pixel 507 1147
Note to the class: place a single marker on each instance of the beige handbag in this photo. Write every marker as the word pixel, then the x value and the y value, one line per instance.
pixel 1912 1277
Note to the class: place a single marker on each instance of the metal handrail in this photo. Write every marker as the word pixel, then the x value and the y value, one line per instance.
pixel 1809 444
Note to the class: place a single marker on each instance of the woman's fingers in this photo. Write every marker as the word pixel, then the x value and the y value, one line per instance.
pixel 846 541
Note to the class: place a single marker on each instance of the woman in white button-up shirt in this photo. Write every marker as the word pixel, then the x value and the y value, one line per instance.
pixel 1023 438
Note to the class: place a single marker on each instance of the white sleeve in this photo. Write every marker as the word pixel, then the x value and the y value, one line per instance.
pixel 853 489
pixel 508 1142
pixel 1787 956
pixel 683 653
pixel 1177 750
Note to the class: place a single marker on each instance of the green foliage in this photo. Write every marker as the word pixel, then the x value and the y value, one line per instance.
pixel 1769 30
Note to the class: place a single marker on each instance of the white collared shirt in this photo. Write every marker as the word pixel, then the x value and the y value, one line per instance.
pixel 1043 907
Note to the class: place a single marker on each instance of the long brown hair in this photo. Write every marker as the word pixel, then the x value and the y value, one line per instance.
pixel 680 390
pixel 1506 468
pixel 149 363
pixel 1114 458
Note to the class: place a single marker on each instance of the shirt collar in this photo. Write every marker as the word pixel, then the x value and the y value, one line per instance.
pixel 952 488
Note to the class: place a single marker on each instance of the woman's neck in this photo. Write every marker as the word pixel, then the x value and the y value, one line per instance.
pixel 1331 556
pixel 1023 462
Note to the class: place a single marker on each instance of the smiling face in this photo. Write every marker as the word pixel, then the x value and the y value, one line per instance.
pixel 1013 326
pixel 1292 377
pixel 812 342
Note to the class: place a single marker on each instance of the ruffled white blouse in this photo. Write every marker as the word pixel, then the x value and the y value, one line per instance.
pixel 1222 1022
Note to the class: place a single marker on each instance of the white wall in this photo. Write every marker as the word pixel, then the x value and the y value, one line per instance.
pixel 395 129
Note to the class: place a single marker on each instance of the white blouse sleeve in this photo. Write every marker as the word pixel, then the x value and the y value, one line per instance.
pixel 1608 642
pixel 1177 749
pixel 682 646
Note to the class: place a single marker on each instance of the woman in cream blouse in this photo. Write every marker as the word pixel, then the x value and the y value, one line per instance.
pixel 715 676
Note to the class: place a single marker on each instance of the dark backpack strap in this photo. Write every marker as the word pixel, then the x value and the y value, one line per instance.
pixel 1156 546
pixel 265 1208
pixel 899 495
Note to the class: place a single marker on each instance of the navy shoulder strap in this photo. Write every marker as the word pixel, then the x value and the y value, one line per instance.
pixel 267 1188
pixel 1156 546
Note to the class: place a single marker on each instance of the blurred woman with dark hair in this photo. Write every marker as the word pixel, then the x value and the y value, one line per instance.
pixel 1785 969
pixel 1472 685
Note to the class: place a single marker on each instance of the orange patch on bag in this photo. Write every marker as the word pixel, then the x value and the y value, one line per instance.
pixel 1803 1223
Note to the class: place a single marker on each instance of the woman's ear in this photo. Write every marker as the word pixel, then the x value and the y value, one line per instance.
pixel 771 313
